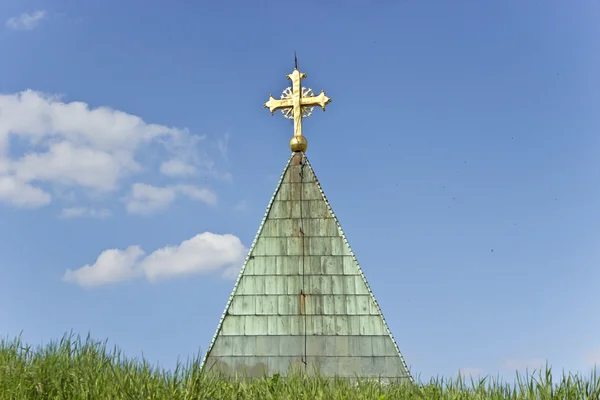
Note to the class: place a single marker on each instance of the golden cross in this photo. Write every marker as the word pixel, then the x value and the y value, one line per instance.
pixel 296 103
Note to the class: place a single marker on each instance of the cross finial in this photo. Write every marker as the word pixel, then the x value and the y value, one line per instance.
pixel 297 102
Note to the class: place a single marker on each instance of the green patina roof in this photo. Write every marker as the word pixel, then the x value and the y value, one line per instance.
pixel 301 299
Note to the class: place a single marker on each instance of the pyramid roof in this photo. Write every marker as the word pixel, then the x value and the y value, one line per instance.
pixel 301 299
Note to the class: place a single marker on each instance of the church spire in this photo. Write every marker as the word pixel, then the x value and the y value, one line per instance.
pixel 297 102
pixel 301 301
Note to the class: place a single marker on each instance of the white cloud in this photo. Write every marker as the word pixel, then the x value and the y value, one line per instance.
pixel 190 160
pixel 204 253
pixel 72 146
pixel 21 194
pixel 26 21
pixel 78 212
pixel 195 193
pixel 148 199
pixel 72 165
pixel 176 168
pixel 111 266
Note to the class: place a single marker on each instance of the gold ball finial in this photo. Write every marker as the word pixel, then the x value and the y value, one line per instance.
pixel 298 143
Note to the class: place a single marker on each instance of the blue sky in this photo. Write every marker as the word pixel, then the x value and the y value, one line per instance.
pixel 459 153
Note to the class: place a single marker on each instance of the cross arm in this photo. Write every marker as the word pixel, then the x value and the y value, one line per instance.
pixel 274 104
pixel 321 100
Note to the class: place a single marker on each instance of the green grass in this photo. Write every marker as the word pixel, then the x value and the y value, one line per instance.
pixel 85 369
